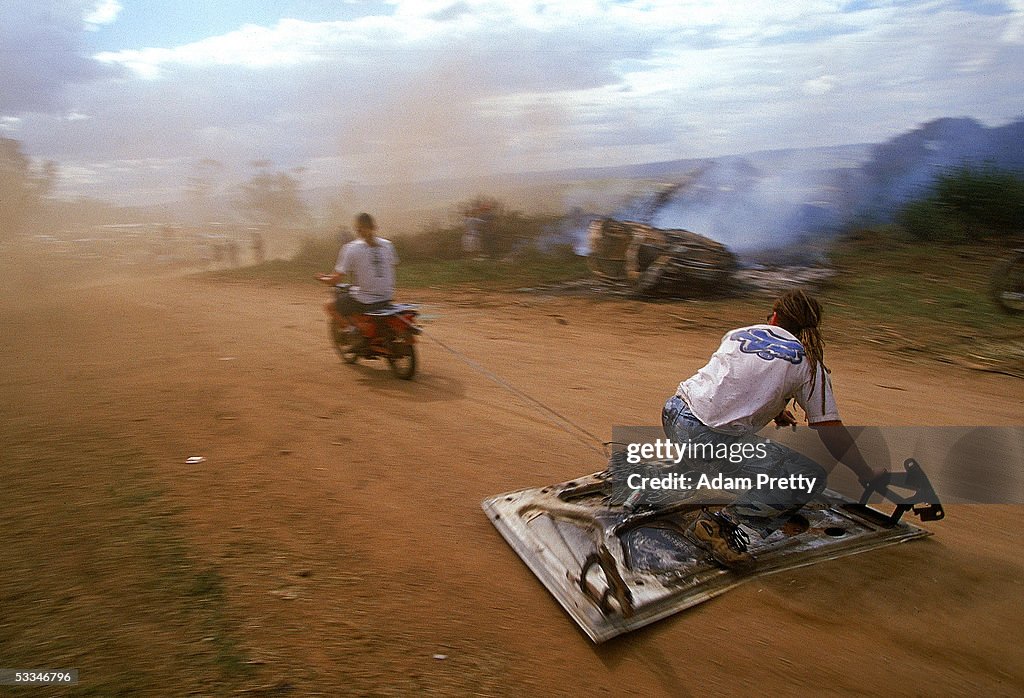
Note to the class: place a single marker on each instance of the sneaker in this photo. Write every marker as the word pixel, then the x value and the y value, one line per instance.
pixel 718 535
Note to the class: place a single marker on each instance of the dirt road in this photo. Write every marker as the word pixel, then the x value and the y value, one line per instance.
pixel 332 541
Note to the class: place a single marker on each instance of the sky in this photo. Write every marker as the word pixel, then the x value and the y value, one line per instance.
pixel 132 97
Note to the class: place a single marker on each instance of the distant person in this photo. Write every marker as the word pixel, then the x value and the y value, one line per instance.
pixel 232 251
pixel 259 251
pixel 370 262
pixel 488 239
pixel 471 237
pixel 748 383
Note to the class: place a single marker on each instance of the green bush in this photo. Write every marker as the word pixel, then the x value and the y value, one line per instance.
pixel 434 242
pixel 510 232
pixel 989 197
pixel 930 220
pixel 967 203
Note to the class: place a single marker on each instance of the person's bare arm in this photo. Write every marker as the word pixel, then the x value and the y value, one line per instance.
pixel 330 279
pixel 839 442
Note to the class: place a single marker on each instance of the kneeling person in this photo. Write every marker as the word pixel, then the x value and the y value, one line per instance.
pixel 749 382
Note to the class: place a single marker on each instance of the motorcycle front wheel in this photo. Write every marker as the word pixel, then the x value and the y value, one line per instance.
pixel 1008 285
pixel 343 344
pixel 402 358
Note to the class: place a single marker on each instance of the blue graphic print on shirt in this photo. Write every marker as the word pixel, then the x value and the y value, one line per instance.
pixel 768 345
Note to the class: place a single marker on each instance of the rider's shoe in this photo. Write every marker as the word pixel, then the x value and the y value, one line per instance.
pixel 719 535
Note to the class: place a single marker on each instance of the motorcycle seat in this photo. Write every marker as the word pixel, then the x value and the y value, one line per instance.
pixel 393 309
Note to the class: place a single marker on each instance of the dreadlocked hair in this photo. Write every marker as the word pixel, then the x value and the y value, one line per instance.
pixel 800 313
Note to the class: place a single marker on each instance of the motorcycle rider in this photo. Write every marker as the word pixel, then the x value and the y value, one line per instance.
pixel 370 261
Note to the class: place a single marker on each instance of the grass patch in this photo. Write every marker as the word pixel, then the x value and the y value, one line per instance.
pixel 925 300
pixel 101 577
pixel 888 280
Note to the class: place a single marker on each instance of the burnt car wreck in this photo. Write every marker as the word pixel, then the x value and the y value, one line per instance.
pixel 659 262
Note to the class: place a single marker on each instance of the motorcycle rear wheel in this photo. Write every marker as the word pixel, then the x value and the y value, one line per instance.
pixel 342 344
pixel 1008 284
pixel 402 359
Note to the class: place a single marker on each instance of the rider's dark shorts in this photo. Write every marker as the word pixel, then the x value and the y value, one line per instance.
pixel 347 305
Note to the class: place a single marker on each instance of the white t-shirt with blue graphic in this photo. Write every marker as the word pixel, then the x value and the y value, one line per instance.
pixel 756 371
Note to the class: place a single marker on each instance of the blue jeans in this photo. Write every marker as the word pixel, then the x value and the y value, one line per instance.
pixel 766 507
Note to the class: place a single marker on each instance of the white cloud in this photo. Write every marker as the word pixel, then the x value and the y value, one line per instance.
pixel 516 27
pixel 289 42
pixel 480 86
pixel 103 12
pixel 9 124
pixel 1014 32
pixel 820 85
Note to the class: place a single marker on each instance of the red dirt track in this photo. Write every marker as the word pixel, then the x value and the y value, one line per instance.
pixel 340 506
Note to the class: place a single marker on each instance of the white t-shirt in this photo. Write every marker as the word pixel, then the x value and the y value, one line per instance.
pixel 372 269
pixel 751 377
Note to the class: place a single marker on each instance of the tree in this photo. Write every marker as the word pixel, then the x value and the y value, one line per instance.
pixel 272 197
pixel 22 186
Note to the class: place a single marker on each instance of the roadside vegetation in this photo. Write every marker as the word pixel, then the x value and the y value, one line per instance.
pixel 931 268
pixel 923 284
pixel 525 250
pixel 967 204
pixel 935 263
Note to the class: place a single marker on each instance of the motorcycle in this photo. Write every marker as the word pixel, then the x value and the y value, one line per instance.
pixel 388 332
pixel 1008 283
